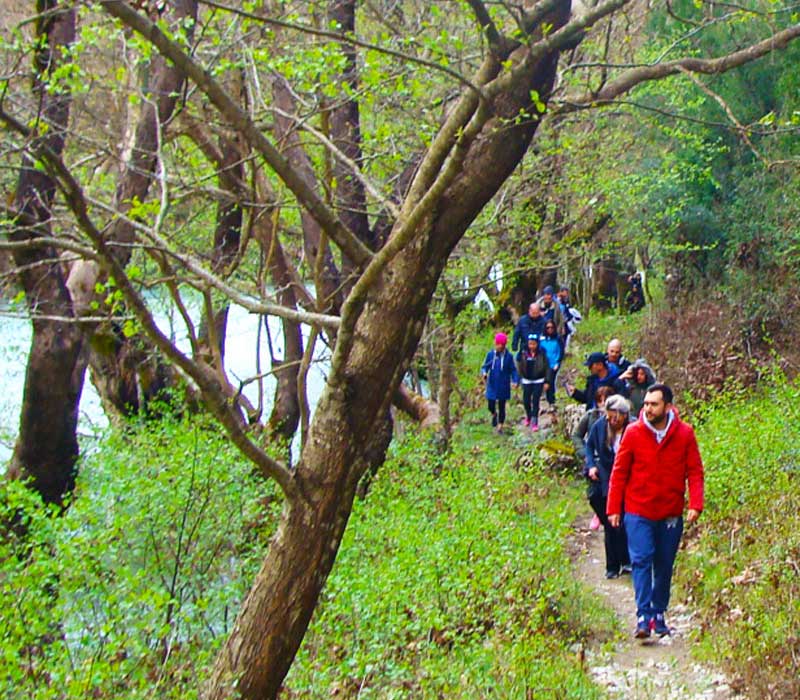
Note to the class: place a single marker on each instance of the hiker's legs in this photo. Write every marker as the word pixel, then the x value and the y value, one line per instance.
pixel 668 537
pixel 501 411
pixel 492 410
pixel 537 396
pixel 527 399
pixel 642 548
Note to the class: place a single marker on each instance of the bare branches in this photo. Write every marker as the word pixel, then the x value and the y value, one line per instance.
pixel 633 77
pixel 369 186
pixel 500 45
pixel 345 39
pixel 201 374
pixel 170 49
pixel 741 130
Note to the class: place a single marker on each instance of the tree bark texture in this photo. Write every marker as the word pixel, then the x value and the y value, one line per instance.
pixel 343 440
pixel 345 124
pixel 46 449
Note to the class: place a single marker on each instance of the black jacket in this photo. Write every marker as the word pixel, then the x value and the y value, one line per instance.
pixel 593 383
pixel 599 453
pixel 525 327
pixel 533 367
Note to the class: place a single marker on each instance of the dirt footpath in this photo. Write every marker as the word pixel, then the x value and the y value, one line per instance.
pixel 656 669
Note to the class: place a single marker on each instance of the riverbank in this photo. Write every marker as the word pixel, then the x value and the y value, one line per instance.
pixel 457 576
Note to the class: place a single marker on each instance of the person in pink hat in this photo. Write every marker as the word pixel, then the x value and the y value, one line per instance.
pixel 499 374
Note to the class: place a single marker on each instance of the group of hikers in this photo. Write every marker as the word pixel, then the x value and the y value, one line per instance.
pixel 638 455
pixel 540 340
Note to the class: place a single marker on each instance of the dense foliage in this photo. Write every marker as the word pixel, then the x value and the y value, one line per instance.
pixel 743 564
pixel 131 590
pixel 454 580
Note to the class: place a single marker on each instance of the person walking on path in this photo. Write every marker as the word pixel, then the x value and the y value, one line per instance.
pixel 581 433
pixel 571 316
pixel 600 374
pixel 637 378
pixel 531 323
pixel 657 457
pixel 553 348
pixel 535 376
pixel 550 308
pixel 615 357
pixel 601 447
pixel 499 374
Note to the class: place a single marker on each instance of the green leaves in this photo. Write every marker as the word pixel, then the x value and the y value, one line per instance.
pixel 452 579
pixel 130 591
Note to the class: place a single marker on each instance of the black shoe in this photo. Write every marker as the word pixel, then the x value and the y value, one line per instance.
pixel 660 625
pixel 642 628
pixel 625 569
pixel 612 574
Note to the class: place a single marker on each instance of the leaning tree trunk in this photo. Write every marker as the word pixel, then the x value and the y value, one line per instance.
pixel 390 315
pixel 46 449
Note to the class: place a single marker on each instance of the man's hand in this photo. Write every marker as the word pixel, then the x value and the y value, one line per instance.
pixel 692 515
pixel 614 520
pixel 594 474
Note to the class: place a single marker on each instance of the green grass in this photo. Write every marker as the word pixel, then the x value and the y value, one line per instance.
pixel 454 582
pixel 743 566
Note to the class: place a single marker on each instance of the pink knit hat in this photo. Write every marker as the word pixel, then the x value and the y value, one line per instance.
pixel 501 338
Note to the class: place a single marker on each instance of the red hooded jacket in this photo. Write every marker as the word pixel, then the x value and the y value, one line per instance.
pixel 649 478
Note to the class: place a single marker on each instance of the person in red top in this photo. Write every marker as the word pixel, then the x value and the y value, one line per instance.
pixel 658 455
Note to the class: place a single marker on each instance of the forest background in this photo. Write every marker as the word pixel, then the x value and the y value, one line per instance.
pixel 361 171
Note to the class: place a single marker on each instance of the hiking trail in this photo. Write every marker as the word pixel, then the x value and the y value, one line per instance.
pixel 656 669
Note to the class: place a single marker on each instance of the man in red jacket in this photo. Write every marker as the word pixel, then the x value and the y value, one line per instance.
pixel 658 455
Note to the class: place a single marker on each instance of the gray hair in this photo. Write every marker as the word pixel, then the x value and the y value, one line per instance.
pixel 618 403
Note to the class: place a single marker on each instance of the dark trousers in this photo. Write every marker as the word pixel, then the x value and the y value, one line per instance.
pixel 498 413
pixel 531 394
pixel 614 538
pixel 653 545
pixel 550 395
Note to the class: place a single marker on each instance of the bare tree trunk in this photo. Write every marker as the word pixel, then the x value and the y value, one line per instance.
pixel 46 449
pixel 345 124
pixel 320 259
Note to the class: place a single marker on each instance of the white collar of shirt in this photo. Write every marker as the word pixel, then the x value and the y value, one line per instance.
pixel 661 434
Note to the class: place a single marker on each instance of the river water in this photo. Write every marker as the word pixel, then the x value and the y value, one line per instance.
pixel 241 352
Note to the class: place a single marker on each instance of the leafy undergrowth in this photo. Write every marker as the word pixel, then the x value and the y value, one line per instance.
pixel 743 565
pixel 453 582
pixel 129 594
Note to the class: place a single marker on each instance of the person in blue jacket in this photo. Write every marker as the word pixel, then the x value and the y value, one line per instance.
pixel 499 373
pixel 600 374
pixel 601 448
pixel 532 323
pixel 553 348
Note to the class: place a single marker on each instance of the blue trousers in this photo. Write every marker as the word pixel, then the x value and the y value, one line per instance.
pixel 652 545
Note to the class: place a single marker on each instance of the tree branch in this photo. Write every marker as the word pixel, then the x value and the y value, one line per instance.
pixel 201 374
pixel 171 50
pixel 631 78
pixel 500 45
pixel 741 130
